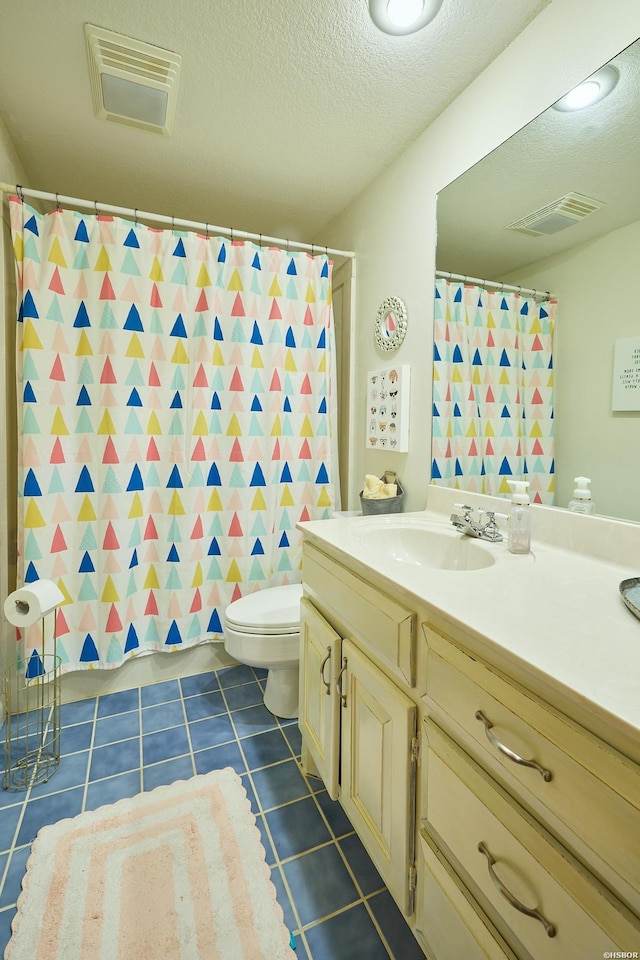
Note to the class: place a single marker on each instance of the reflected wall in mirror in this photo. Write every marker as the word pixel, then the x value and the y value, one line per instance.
pixel 590 266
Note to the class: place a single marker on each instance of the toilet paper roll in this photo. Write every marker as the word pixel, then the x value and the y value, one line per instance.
pixel 32 602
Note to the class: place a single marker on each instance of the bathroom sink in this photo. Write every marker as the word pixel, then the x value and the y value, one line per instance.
pixel 423 544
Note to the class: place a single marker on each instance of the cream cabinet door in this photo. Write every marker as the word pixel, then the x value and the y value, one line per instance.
pixel 319 719
pixel 379 755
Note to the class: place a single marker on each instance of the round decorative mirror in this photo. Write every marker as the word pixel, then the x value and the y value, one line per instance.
pixel 391 324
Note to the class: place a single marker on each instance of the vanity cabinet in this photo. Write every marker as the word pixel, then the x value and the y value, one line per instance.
pixel 358 722
pixel 504 828
pixel 538 818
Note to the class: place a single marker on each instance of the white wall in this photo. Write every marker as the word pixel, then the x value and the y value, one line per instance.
pixel 597 305
pixel 392 224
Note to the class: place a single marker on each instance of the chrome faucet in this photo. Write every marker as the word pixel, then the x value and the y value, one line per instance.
pixel 488 530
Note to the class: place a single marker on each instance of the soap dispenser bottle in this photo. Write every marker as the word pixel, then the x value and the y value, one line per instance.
pixel 519 540
pixel 582 502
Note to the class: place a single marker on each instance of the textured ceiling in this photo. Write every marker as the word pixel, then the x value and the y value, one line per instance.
pixel 286 109
pixel 594 152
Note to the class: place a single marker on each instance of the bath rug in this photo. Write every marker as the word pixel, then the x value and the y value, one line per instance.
pixel 178 873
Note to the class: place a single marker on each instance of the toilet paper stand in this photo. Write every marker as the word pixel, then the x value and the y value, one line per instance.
pixel 31 688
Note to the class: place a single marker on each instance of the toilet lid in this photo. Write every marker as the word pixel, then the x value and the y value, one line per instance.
pixel 273 610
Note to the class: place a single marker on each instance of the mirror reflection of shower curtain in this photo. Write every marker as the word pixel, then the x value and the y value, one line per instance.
pixel 493 397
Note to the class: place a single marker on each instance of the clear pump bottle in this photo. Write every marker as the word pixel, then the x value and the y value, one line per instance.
pixel 519 540
pixel 582 502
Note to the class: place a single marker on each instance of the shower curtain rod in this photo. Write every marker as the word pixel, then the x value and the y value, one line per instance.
pixel 543 294
pixel 174 222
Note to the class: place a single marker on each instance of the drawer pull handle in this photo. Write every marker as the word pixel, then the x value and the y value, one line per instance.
pixel 322 666
pixel 509 897
pixel 493 740
pixel 343 696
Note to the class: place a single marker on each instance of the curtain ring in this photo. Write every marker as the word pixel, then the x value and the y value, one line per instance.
pixel 173 224
pixel 231 231
pixel 57 202
pixel 95 204
pixel 20 193
pixel 312 250
pixel 206 230
pixel 135 216
pixel 260 242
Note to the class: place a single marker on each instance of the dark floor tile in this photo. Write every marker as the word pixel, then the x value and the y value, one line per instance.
pixel 6 916
pixel 336 817
pixel 279 784
pixel 205 705
pixel 349 936
pixel 361 865
pixel 296 828
pixel 121 702
pixel 294 738
pixel 217 758
pixel 75 738
pixel 253 720
pixel 49 809
pixel 161 692
pixel 245 695
pixel 231 676
pixel 265 840
pixel 283 899
pixel 162 715
pixel 15 875
pixel 122 726
pixel 112 789
pixel 78 711
pixel 161 774
pixel 198 684
pixel 402 942
pixel 9 822
pixel 72 772
pixel 165 745
pixel 114 758
pixel 211 732
pixel 320 882
pixel 264 749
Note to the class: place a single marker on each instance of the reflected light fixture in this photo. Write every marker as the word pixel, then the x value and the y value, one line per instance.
pixel 590 91
pixel 401 17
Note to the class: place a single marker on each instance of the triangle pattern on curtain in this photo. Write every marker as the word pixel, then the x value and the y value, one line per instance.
pixel 176 416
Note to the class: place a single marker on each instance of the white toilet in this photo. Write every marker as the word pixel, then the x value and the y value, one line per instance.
pixel 263 630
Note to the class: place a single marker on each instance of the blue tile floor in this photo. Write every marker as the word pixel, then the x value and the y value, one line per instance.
pixel 120 744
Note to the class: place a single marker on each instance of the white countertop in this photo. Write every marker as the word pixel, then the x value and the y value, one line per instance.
pixel 556 611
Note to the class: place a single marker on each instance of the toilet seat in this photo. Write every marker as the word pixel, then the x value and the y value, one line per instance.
pixel 269 612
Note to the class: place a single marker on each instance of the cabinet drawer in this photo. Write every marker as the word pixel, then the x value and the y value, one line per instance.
pixel 575 915
pixel 449 924
pixel 382 626
pixel 582 789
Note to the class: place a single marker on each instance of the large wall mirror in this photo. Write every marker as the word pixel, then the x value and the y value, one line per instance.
pixel 591 267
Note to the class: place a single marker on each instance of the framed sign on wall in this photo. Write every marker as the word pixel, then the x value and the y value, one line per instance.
pixel 625 394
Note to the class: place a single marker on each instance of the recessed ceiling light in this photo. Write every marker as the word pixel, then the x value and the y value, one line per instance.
pixel 590 91
pixel 401 17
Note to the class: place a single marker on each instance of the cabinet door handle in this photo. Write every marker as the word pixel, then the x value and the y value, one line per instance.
pixel 343 696
pixel 493 740
pixel 509 897
pixel 322 666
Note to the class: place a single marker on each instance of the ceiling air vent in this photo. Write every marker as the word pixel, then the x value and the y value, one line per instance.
pixel 556 216
pixel 132 82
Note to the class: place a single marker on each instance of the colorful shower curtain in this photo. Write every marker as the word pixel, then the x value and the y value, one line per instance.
pixel 492 391
pixel 176 401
